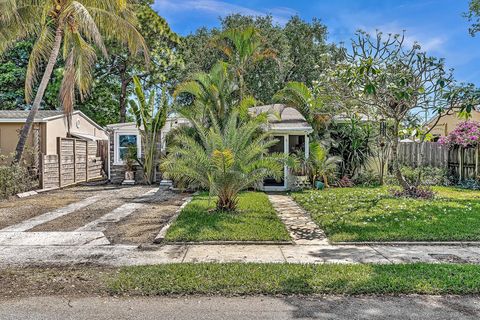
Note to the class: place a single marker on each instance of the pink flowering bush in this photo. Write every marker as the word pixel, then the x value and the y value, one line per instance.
pixel 466 134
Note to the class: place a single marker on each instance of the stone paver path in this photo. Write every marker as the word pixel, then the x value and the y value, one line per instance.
pixel 299 224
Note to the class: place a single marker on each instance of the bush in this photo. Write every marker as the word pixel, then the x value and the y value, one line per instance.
pixel 420 192
pixel 367 178
pixel 471 184
pixel 429 176
pixel 15 179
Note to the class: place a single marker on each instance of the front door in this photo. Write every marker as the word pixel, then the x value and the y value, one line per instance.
pixel 279 147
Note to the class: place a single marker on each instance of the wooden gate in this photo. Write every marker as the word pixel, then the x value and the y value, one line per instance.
pixel 464 162
pixel 76 161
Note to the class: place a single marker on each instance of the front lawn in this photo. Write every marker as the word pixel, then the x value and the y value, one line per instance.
pixel 372 214
pixel 237 278
pixel 255 220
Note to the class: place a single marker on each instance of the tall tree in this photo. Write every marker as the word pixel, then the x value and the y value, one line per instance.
pixel 394 80
pixel 473 15
pixel 300 49
pixel 243 48
pixel 73 26
pixel 121 66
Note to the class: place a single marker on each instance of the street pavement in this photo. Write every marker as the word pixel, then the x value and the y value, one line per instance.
pixel 251 308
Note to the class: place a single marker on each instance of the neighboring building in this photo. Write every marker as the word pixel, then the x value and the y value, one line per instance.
pixel 123 135
pixel 291 130
pixel 447 124
pixel 47 127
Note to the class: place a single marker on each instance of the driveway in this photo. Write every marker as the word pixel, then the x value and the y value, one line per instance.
pixel 251 308
pixel 88 216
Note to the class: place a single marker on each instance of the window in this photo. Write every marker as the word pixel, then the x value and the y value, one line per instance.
pixel 123 141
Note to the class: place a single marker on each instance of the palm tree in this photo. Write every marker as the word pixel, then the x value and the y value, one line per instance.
pixel 150 120
pixel 214 96
pixel 243 47
pixel 319 164
pixel 297 95
pixel 224 160
pixel 77 24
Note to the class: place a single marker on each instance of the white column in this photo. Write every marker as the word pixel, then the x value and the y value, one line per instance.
pixel 307 146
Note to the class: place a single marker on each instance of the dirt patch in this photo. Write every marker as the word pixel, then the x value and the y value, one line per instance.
pixel 94 211
pixel 143 226
pixel 15 210
pixel 67 281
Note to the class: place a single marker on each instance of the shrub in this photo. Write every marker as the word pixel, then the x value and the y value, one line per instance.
pixel 367 178
pixel 419 192
pixel 429 176
pixel 15 179
pixel 465 134
pixel 471 184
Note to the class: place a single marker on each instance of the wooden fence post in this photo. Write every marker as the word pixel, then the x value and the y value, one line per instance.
pixel 59 153
pixel 460 163
pixel 477 154
pixel 86 161
pixel 74 160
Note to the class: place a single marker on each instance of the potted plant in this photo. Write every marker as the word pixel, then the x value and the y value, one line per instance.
pixel 130 160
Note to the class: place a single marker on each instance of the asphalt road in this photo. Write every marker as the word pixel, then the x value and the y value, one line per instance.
pixel 251 308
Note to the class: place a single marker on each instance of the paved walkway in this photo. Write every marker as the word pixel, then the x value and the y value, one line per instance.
pixel 125 255
pixel 300 225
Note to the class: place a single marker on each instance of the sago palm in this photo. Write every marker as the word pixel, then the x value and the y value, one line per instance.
pixel 243 47
pixel 75 28
pixel 150 119
pixel 224 160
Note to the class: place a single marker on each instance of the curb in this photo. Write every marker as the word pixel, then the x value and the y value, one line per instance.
pixel 407 243
pixel 161 235
pixel 248 242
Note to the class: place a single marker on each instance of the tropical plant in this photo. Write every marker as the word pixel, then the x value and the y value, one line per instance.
pixel 214 96
pixel 78 25
pixel 226 160
pixel 353 143
pixel 297 95
pixel 150 119
pixel 321 165
pixel 317 165
pixel 244 48
pixel 300 48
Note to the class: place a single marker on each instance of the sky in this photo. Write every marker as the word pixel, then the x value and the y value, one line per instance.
pixel 438 25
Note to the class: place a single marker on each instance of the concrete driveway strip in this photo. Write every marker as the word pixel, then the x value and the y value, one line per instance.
pixel 236 308
pixel 49 216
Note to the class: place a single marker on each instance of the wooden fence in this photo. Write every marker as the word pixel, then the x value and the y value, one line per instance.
pixel 76 161
pixel 463 163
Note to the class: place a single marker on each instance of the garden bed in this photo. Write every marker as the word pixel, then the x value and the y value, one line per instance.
pixel 372 214
pixel 255 220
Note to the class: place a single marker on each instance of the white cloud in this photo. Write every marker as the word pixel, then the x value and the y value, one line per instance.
pixel 222 8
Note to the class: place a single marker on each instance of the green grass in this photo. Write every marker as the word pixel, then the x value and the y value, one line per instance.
pixel 255 220
pixel 371 214
pixel 236 278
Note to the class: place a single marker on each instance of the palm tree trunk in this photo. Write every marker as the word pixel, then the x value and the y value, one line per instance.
pixel 39 95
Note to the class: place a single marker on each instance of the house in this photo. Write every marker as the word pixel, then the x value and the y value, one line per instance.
pixel 286 124
pixel 47 127
pixel 291 129
pixel 447 123
pixel 124 135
